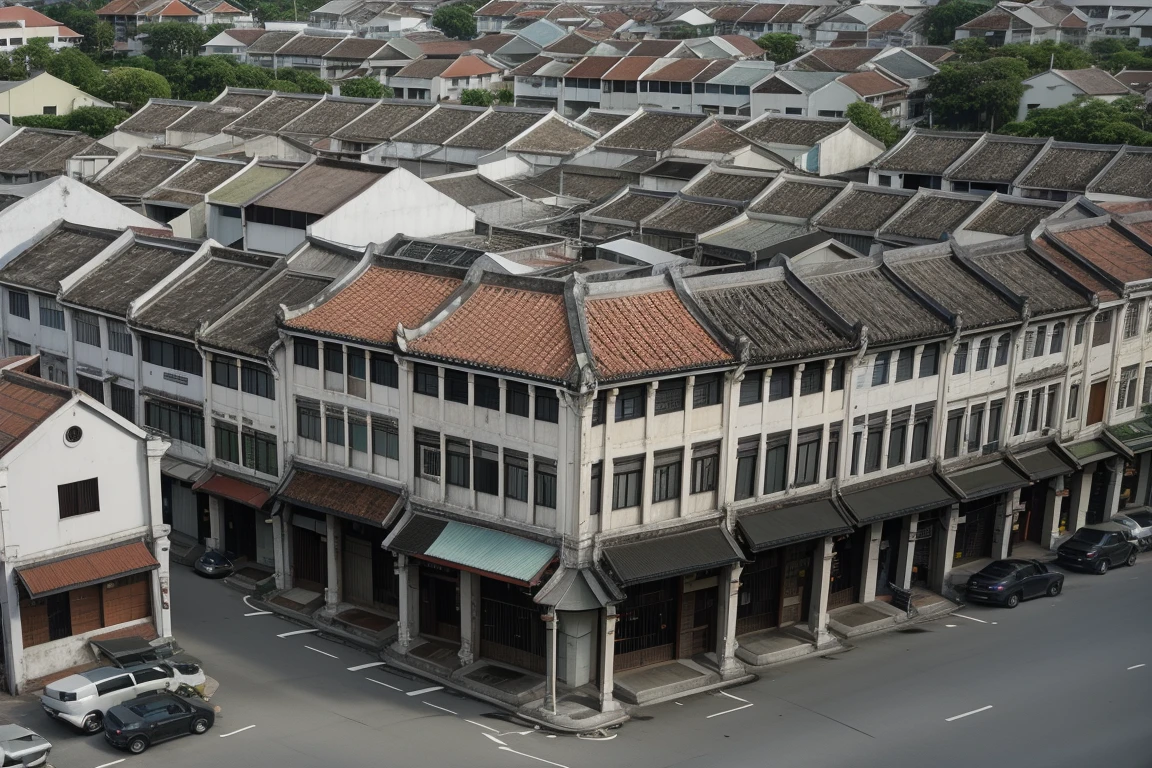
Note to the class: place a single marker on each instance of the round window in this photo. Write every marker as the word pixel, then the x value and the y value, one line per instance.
pixel 73 434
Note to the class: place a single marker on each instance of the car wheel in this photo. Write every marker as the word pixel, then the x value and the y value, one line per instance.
pixel 137 745
pixel 200 725
pixel 94 723
pixel 1054 588
pixel 1131 561
pixel 1102 567
pixel 1013 600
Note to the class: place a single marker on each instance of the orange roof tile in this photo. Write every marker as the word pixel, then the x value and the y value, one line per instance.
pixel 344 497
pixel 25 403
pixel 870 83
pixel 175 8
pixel 227 8
pixel 890 22
pixel 468 66
pixel 1110 250
pixel 593 67
pixel 373 305
pixel 628 68
pixel 648 333
pixel 30 17
pixel 745 45
pixel 1078 273
pixel 445 47
pixel 231 488
pixel 82 570
pixel 507 329
pixel 679 70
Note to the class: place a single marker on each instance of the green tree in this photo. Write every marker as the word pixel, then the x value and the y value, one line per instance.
pixel 200 78
pixel 135 86
pixel 77 19
pixel 10 70
pixel 940 21
pixel 455 21
pixel 476 97
pixel 362 88
pixel 972 49
pixel 305 81
pixel 1089 120
pixel 35 54
pixel 250 76
pixel 1109 46
pixel 73 66
pixel 506 96
pixel 1039 56
pixel 781 47
pixel 97 122
pixel 284 86
pixel 172 39
pixel 979 95
pixel 868 119
pixel 103 38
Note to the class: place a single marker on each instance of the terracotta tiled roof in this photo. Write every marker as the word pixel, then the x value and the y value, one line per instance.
pixel 745 45
pixel 1109 250
pixel 25 403
pixel 613 19
pixel 679 70
pixel 593 67
pixel 837 59
pixel 82 570
pixel 871 83
pixel 506 329
pixel 1139 206
pixel 648 333
pixel 342 496
pixel 499 8
pixel 1078 273
pixel 373 305
pixel 175 8
pixel 467 66
pixel 30 17
pixel 445 47
pixel 655 48
pixel 761 13
pixel 890 22
pixel 231 488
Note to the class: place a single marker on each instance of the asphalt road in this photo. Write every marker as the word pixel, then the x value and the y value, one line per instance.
pixel 1055 682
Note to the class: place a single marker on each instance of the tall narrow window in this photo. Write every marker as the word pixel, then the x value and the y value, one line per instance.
pixel 545 477
pixel 51 313
pixel 880 368
pixel 808 456
pixel 87 328
pixel 486 391
pixel 334 427
pixel 953 432
pixel 922 431
pixel 1003 348
pixel 1078 336
pixel 898 436
pixel 812 379
pixel 874 449
pixel 747 453
pixel 1037 405
pixel 1050 406
pixel 456 386
pixel 1019 413
pixel 975 428
pixel 1026 349
pixel 427 380
pixel 832 462
pixel 1073 401
pixel 960 361
pixel 385 437
pixel 1102 329
pixel 260 452
pixel 776 463
pixel 706 390
pixel 306 353
pixel 995 419
pixel 308 421
pixel 837 383
pixel 595 488
pixel 705 467
pixel 1057 343
pixel 18 303
pixel 486 468
pixel 457 458
pixel 1126 392
pixel 666 475
pixel 627 480
pixel 930 360
pixel 358 431
pixel 384 371
pixel 1132 320
pixel 751 388
pixel 904 360
pixel 516 475
pixel 1041 341
pixel 780 385
pixel 670 396
pixel 547 405
pixel 982 352
pixel 516 399
pixel 631 403
pixel 227 439
pixel 256 379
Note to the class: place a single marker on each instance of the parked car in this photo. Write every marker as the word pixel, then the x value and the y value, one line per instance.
pixel 1007 582
pixel 1139 522
pixel 82 699
pixel 20 746
pixel 132 651
pixel 138 724
pixel 214 564
pixel 1098 547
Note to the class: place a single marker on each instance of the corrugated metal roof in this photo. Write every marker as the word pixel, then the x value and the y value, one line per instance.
pixel 482 549
pixel 901 497
pixel 987 480
pixel 790 524
pixel 675 555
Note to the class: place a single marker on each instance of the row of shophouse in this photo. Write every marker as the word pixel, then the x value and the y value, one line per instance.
pixel 659 466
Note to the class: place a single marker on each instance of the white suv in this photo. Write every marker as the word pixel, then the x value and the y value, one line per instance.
pixel 82 699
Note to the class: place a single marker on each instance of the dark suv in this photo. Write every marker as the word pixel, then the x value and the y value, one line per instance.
pixel 138 724
pixel 1097 548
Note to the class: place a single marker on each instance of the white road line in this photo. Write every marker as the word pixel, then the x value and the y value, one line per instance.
pixel 722 693
pixel 114 762
pixel 962 616
pixel 488 727
pixel 386 685
pixel 441 709
pixel 369 665
pixel 329 655
pixel 298 632
pixel 950 626
pixel 1136 667
pixel 233 733
pixel 531 757
pixel 728 711
pixel 493 738
pixel 426 690
pixel 973 712
pixel 256 611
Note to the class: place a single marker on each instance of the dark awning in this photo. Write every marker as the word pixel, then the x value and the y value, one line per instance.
pixel 790 524
pixel 341 496
pixel 489 552
pixel 1135 435
pixel 987 480
pixel 85 570
pixel 675 555
pixel 1044 462
pixel 230 488
pixel 1088 451
pixel 902 496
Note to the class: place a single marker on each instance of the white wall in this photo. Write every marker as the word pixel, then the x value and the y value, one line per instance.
pixel 1046 90
pixel 846 150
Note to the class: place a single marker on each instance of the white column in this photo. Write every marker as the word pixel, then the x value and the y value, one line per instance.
pixel 1050 530
pixel 283 570
pixel 727 602
pixel 469 617
pixel 335 552
pixel 1115 480
pixel 1005 519
pixel 409 608
pixel 871 563
pixel 945 549
pixel 909 527
pixel 161 595
pixel 822 575
pixel 608 702
pixel 215 538
pixel 1081 489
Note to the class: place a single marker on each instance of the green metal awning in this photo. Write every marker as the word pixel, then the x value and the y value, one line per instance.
pixel 987 479
pixel 1044 462
pixel 1136 435
pixel 500 555
pixel 810 519
pixel 899 497
pixel 1088 451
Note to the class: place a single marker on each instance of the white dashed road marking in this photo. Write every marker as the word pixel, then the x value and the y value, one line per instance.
pixel 233 733
pixel 490 736
pixel 488 727
pixel 532 757
pixel 973 712
pixel 1136 667
pixel 369 665
pixel 441 709
pixel 114 762
pixel 325 653
pixel 426 690
pixel 962 616
pixel 394 688
pixel 298 632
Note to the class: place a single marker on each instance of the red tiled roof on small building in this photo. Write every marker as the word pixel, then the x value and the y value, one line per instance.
pixel 1109 250
pixel 745 45
pixel 25 403
pixel 341 496
pixel 174 8
pixel 593 67
pixel 871 83
pixel 469 66
pixel 628 68
pixel 30 17
pixel 83 570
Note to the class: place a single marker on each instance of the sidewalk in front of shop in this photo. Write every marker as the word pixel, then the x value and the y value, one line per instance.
pixel 957 578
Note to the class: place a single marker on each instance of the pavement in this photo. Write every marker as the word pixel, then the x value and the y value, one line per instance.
pixel 1063 681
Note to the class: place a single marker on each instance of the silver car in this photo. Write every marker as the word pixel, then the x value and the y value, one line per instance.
pixel 82 699
pixel 1139 522
pixel 21 746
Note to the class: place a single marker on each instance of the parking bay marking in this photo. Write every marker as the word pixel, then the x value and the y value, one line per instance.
pixel 426 690
pixel 441 709
pixel 256 612
pixel 233 733
pixel 394 688
pixel 330 655
pixel 482 725
pixel 531 757
pixel 298 632
pixel 114 762
pixel 1136 667
pixel 369 665
pixel 973 712
pixel 962 616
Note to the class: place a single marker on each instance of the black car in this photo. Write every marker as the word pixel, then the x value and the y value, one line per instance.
pixel 138 724
pixel 1097 548
pixel 214 565
pixel 1007 582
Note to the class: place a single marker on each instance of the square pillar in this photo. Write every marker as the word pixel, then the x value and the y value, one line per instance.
pixel 1115 480
pixel 1050 526
pixel 945 553
pixel 1143 466
pixel 469 617
pixel 727 601
pixel 575 646
pixel 408 622
pixel 280 550
pixel 1081 490
pixel 1005 517
pixel 215 538
pixel 550 671
pixel 818 609
pixel 871 562
pixel 335 546
pixel 909 528
pixel 608 701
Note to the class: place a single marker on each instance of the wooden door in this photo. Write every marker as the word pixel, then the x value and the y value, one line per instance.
pixel 85 605
pixel 357 567
pixel 128 600
pixel 1097 397
pixel 309 559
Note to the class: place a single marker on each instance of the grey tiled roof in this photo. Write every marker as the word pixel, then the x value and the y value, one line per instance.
pixel 1067 168
pixel 155 117
pixel 632 206
pixel 439 126
pixel 251 328
pixel 116 283
pixel 1024 276
pixel 382 122
pixel 687 217
pixel 955 288
pixel 867 296
pixel 1007 218
pixel 728 186
pixel 927 153
pixel 792 131
pixel 862 210
pixel 797 198
pixel 327 117
pixel 997 161
pixel 652 131
pixel 470 190
pixel 138 175
pixel 58 255
pixel 495 129
pixel 931 217
pixel 273 114
pixel 753 235
pixel 1129 175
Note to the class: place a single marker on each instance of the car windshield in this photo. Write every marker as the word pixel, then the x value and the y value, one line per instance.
pixel 1089 536
pixel 1144 518
pixel 214 558
pixel 998 570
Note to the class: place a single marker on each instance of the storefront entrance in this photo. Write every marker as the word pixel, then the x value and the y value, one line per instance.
pixel 975 534
pixel 774 589
pixel 1098 494
pixel 1029 523
pixel 847 557
pixel 665 620
pixel 1130 483
pixel 239 530
pixel 888 560
pixel 309 552
pixel 698 615
pixel 511 630
pixel 440 602
pixel 369 576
